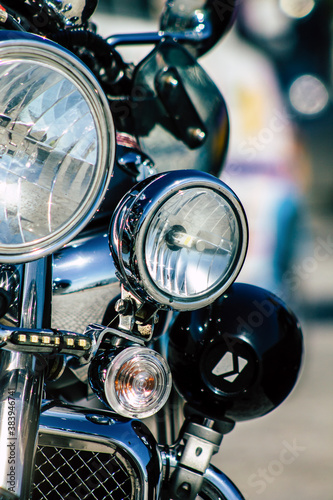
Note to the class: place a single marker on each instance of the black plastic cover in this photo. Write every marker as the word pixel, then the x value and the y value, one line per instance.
pixel 238 358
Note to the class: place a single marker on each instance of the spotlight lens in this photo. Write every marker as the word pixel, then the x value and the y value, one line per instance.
pixel 192 243
pixel 138 382
pixel 179 239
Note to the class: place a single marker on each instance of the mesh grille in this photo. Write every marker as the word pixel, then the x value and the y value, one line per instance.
pixel 71 474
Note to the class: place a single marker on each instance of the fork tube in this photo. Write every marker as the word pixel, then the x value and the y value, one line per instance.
pixel 21 389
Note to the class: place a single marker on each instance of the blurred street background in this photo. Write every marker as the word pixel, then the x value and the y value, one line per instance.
pixel 275 71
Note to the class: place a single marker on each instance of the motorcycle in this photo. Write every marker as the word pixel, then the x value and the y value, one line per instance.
pixel 127 350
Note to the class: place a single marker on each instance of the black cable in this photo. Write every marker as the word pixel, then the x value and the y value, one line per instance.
pixel 10 22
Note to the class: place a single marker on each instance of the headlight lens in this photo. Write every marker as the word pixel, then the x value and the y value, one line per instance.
pixel 179 239
pixel 192 242
pixel 56 147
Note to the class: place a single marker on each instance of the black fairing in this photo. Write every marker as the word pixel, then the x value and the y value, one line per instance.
pixel 238 358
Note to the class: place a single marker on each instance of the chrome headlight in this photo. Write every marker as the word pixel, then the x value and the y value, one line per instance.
pixel 179 239
pixel 56 146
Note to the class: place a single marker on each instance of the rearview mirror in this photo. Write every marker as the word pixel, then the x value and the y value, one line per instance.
pixel 202 22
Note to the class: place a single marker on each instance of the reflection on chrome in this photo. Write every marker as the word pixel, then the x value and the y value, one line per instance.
pixel 191 242
pixel 84 283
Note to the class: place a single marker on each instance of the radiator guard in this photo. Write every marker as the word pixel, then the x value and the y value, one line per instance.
pixel 93 454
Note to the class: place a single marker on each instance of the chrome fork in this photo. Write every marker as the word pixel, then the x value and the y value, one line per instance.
pixel 21 390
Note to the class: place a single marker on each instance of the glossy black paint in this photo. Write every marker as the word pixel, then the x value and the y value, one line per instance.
pixel 166 122
pixel 238 358
pixel 180 108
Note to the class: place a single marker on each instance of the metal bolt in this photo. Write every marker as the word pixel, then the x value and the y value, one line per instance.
pixel 197 134
pixel 100 419
pixel 170 80
pixel 66 8
pixel 122 306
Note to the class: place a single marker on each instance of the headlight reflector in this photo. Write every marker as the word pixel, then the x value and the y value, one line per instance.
pixel 56 146
pixel 191 241
pixel 179 239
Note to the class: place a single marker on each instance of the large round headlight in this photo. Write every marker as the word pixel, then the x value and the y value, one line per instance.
pixel 179 239
pixel 56 146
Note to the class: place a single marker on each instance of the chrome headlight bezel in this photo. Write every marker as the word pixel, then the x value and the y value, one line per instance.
pixel 28 47
pixel 128 377
pixel 131 222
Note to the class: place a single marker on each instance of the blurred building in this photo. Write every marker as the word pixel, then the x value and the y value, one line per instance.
pixel 296 35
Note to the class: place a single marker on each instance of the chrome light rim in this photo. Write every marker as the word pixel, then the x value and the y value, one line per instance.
pixel 134 272
pixel 210 295
pixel 138 409
pixel 48 54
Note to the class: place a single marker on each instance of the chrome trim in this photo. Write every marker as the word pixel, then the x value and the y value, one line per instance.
pixel 68 426
pixel 213 476
pixel 25 45
pixel 84 282
pixel 154 37
pixel 214 479
pixel 21 388
pixel 10 285
pixel 130 224
pixel 73 13
pixel 33 294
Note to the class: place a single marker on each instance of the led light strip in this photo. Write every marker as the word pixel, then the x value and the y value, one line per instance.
pixel 45 342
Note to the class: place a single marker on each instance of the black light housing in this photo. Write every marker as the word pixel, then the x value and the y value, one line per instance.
pixel 239 358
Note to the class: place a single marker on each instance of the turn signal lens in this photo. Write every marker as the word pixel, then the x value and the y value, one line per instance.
pixel 137 382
